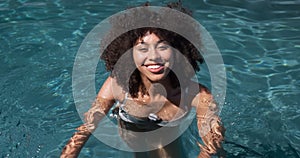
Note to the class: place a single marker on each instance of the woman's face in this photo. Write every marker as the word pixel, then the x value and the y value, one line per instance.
pixel 153 57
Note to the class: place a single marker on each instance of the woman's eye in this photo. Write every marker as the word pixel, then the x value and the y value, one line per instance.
pixel 162 48
pixel 143 49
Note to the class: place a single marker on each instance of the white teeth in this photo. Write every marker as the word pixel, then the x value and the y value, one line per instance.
pixel 153 66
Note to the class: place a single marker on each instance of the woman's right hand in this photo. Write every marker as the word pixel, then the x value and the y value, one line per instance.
pixel 98 110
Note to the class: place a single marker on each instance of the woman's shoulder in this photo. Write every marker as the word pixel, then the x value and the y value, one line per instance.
pixel 110 90
pixel 202 94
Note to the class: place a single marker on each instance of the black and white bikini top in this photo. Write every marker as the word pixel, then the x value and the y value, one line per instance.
pixel 152 117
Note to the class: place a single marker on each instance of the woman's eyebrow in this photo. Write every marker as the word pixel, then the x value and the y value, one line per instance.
pixel 160 41
pixel 164 42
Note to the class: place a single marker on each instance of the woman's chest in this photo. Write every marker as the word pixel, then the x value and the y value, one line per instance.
pixel 165 109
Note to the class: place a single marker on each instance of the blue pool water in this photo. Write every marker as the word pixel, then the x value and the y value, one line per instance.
pixel 259 41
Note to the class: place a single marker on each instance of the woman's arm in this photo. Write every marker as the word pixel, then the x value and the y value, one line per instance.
pixel 98 110
pixel 209 125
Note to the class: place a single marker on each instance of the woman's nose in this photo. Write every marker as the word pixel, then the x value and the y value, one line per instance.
pixel 153 54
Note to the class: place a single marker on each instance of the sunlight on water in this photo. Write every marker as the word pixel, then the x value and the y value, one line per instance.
pixel 259 42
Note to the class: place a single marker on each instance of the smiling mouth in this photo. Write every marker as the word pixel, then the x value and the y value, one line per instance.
pixel 155 68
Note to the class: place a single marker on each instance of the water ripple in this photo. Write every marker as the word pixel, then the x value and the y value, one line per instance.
pixel 259 42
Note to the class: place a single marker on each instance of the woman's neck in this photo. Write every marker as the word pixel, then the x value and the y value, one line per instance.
pixel 162 87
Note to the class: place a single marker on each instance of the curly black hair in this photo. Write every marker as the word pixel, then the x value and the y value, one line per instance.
pixel 126 72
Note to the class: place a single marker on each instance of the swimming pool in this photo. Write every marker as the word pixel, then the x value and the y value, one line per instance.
pixel 259 41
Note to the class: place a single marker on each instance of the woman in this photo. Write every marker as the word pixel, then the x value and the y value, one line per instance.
pixel 149 94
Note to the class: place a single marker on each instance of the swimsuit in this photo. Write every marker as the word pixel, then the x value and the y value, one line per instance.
pixel 134 129
pixel 146 122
